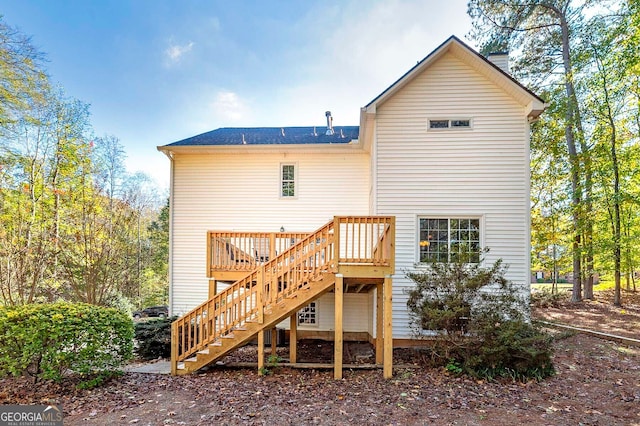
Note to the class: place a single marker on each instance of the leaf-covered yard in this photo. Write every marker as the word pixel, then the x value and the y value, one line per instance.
pixel 597 383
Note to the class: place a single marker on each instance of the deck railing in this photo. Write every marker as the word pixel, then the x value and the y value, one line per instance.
pixel 244 251
pixel 365 239
pixel 351 240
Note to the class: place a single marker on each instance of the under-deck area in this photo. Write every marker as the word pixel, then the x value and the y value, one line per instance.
pixel 258 280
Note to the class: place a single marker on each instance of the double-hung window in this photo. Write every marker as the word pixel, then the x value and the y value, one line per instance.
pixel 449 240
pixel 288 180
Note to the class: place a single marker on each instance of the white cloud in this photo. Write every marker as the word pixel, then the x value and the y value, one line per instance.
pixel 175 52
pixel 228 106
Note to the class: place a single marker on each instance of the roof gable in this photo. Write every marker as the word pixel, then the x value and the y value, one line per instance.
pixel 535 104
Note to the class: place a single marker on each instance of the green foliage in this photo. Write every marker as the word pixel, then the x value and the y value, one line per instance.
pixel 545 298
pixel 513 348
pixel 478 321
pixel 153 338
pixel 98 379
pixel 47 341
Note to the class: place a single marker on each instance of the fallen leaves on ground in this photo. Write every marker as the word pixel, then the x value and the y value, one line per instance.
pixel 597 383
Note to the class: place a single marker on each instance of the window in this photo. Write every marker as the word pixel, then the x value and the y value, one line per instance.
pixel 288 180
pixel 308 315
pixel 450 124
pixel 448 240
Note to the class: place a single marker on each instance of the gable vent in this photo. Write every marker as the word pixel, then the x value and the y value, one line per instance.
pixel 500 59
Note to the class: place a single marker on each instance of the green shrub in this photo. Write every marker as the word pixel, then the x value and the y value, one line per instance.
pixel 478 320
pixel 545 298
pixel 153 338
pixel 46 341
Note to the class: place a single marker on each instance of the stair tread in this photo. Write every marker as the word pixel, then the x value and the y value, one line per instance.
pixel 271 314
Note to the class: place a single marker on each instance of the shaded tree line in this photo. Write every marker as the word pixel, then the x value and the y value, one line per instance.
pixel 583 58
pixel 74 224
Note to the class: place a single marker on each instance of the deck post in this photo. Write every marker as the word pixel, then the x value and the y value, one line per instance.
pixel 379 324
pixel 274 343
pixel 213 288
pixel 388 327
pixel 293 338
pixel 260 352
pixel 174 348
pixel 260 295
pixel 338 340
pixel 272 246
pixel 336 241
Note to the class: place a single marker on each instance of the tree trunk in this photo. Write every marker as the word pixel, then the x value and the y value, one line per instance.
pixel 574 161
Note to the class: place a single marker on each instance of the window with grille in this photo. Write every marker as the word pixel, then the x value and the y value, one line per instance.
pixel 449 240
pixel 288 180
pixel 308 315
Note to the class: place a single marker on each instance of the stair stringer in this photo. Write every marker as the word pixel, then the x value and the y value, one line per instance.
pixel 272 316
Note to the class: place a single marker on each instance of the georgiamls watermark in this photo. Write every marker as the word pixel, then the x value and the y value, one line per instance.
pixel 30 415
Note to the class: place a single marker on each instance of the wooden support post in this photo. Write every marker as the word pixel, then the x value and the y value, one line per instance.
pixel 338 340
pixel 174 348
pixel 272 246
pixel 260 352
pixel 336 241
pixel 379 324
pixel 388 327
pixel 293 338
pixel 260 298
pixel 274 338
pixel 213 288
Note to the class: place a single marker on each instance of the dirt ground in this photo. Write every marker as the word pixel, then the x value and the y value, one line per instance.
pixel 597 383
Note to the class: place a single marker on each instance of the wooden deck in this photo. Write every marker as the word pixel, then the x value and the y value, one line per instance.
pixel 275 275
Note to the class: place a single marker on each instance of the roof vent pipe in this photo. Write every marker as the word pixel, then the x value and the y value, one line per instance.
pixel 329 124
pixel 500 59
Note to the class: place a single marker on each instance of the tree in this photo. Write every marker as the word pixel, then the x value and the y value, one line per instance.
pixel 583 58
pixel 22 80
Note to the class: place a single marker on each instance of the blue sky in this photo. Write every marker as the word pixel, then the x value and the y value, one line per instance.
pixel 157 71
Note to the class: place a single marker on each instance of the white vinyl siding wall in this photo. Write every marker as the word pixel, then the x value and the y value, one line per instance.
pixel 357 316
pixel 241 192
pixel 481 172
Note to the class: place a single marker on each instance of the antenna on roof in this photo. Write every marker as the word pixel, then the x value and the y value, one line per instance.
pixel 282 131
pixel 330 131
pixel 244 142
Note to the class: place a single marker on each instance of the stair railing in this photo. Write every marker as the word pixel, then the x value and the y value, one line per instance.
pixel 246 299
pixel 345 240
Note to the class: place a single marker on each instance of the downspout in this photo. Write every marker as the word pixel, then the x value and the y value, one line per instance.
pixel 169 155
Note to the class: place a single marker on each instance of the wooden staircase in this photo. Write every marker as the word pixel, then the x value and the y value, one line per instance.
pixel 279 287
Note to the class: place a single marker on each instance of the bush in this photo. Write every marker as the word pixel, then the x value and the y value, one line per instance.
pixel 545 298
pixel 46 341
pixel 154 338
pixel 478 320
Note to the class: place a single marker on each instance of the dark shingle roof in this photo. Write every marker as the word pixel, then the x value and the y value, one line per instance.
pixel 272 136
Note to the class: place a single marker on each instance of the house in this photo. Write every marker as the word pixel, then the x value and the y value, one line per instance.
pixel 313 228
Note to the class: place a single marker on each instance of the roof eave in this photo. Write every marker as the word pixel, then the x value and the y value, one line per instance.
pixel 352 146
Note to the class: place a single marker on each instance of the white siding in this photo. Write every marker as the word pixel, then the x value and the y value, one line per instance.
pixel 241 192
pixel 482 171
pixel 356 317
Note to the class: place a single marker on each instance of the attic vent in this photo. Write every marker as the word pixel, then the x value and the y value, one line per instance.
pixel 459 123
pixel 330 131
